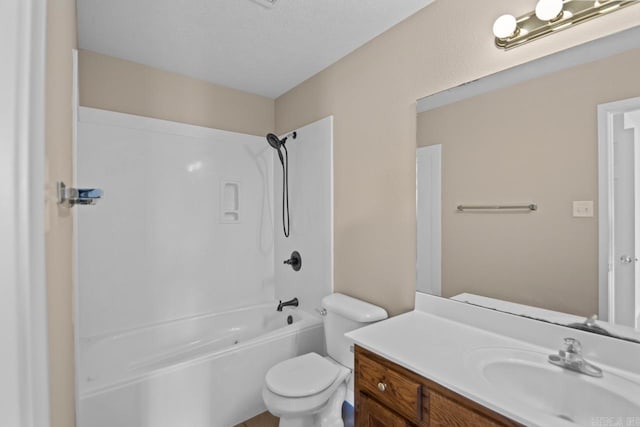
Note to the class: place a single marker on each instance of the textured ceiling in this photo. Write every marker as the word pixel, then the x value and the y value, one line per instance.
pixel 237 43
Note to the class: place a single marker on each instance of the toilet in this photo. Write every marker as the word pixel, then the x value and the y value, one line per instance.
pixel 308 390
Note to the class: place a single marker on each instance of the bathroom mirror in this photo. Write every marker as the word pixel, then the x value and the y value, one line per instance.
pixel 526 188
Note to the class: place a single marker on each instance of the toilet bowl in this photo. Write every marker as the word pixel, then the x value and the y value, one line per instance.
pixel 309 390
pixel 306 391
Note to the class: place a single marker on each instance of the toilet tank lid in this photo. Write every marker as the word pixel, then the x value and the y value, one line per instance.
pixel 353 308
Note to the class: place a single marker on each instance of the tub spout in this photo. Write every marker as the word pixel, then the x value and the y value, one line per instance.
pixel 290 303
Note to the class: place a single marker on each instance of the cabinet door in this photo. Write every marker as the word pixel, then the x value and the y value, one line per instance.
pixel 447 413
pixel 372 414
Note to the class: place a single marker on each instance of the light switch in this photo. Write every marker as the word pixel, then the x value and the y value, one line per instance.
pixel 583 209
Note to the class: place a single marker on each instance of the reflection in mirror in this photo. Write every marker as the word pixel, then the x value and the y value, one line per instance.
pixel 552 142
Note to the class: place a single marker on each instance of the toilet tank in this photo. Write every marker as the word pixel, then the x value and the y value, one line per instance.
pixel 344 314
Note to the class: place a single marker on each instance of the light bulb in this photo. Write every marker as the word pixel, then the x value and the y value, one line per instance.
pixel 505 26
pixel 548 10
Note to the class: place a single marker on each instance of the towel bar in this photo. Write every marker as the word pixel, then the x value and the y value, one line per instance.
pixel 530 206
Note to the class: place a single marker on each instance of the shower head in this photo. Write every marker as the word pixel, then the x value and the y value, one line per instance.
pixel 274 141
pixel 278 143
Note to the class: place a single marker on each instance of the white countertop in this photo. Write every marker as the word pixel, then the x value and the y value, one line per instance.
pixel 441 350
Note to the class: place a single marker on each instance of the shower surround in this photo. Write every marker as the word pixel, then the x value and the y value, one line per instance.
pixel 189 229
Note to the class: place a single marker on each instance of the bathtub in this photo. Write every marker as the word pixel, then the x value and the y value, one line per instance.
pixel 205 371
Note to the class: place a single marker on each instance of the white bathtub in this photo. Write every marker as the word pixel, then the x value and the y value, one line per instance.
pixel 205 371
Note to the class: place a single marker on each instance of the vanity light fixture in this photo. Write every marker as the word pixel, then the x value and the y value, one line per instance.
pixel 505 27
pixel 549 10
pixel 550 16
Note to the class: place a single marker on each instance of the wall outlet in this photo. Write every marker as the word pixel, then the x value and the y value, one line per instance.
pixel 583 209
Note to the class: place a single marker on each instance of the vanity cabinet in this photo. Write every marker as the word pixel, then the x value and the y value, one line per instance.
pixel 388 395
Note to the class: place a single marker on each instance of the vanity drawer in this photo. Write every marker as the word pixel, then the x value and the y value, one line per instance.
pixel 391 387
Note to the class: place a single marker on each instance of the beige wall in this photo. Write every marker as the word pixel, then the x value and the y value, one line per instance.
pixel 114 84
pixel 372 94
pixel 536 141
pixel 61 39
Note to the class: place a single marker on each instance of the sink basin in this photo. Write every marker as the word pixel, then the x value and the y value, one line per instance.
pixel 528 379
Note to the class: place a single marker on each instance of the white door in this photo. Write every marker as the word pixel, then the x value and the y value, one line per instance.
pixel 429 211
pixel 619 124
pixel 624 213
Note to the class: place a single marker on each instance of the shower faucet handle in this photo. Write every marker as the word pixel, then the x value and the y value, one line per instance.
pixel 295 261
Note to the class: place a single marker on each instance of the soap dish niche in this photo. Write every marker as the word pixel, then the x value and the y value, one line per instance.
pixel 230 201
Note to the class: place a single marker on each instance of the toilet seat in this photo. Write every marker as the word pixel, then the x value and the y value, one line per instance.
pixel 283 406
pixel 301 376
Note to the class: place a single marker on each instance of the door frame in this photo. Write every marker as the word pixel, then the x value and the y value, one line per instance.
pixel 24 389
pixel 606 243
pixel 432 271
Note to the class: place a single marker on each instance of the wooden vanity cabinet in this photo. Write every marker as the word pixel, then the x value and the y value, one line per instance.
pixel 388 395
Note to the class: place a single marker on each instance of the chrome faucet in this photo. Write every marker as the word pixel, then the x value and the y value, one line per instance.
pixel 290 303
pixel 570 357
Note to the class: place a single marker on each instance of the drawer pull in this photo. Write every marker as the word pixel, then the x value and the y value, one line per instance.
pixel 382 386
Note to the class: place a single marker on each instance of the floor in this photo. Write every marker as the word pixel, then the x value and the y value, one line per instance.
pixel 263 420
